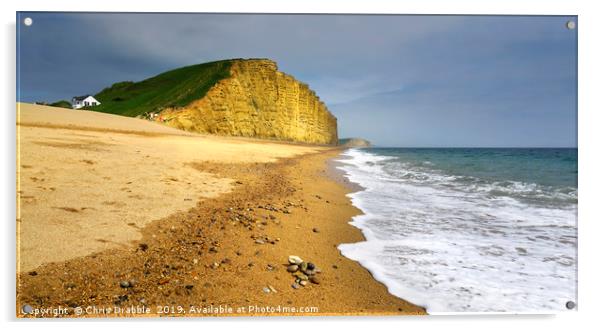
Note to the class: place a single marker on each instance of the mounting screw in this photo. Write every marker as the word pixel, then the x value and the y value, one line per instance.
pixel 27 309
pixel 570 25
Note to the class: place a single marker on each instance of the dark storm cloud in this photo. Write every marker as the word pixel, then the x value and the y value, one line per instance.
pixel 397 80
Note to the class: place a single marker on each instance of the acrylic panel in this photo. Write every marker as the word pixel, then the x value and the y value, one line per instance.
pixel 199 164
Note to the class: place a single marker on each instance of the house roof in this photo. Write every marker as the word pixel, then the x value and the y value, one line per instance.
pixel 81 98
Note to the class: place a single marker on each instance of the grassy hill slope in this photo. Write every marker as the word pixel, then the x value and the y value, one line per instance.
pixel 61 104
pixel 175 88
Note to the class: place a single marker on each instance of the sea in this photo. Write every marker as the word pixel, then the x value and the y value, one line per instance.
pixel 476 230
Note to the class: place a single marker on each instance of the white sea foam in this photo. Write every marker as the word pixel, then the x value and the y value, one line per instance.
pixel 451 245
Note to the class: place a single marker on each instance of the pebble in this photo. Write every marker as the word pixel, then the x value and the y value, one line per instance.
pixel 272 288
pixel 295 285
pixel 213 249
pixel 303 266
pixel 266 289
pixel 303 283
pixel 294 260
pixel 302 277
pixel 259 241
pixel 292 268
pixel 316 230
pixel 314 279
pixel 124 284
pixel 143 246
pixel 311 266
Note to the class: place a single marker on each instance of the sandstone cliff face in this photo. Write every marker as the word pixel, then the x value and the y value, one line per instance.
pixel 257 100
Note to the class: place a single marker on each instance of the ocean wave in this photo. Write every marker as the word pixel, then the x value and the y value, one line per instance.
pixel 393 169
pixel 460 243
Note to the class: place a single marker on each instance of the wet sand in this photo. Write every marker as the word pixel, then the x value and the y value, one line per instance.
pixel 227 247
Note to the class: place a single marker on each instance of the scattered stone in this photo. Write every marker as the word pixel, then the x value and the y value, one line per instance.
pixel 266 290
pixel 269 267
pixel 314 279
pixel 292 268
pixel 69 286
pixel 215 265
pixel 303 266
pixel 294 260
pixel 302 277
pixel 316 230
pixel 189 286
pixel 33 273
pixel 311 266
pixel 226 261
pixel 259 241
pixel 213 249
pixel 272 289
pixel 309 272
pixel 143 246
pixel 238 182
pixel 125 284
pixel 303 283
pixel 295 285
pixel 335 266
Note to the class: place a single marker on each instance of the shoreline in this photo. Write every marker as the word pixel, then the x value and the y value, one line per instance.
pixel 211 255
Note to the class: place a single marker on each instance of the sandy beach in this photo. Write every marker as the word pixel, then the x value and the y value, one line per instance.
pixel 116 211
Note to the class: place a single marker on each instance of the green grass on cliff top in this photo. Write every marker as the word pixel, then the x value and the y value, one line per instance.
pixel 175 88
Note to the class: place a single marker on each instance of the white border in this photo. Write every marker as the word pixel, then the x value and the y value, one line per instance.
pixel 590 211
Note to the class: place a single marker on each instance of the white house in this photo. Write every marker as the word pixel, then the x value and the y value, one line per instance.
pixel 79 102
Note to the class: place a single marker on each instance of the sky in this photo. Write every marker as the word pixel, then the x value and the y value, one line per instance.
pixel 398 81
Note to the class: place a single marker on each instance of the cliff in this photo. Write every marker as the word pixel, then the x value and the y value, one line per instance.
pixel 257 100
pixel 354 143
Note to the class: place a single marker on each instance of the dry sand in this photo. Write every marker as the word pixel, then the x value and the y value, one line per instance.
pixel 88 181
pixel 228 246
